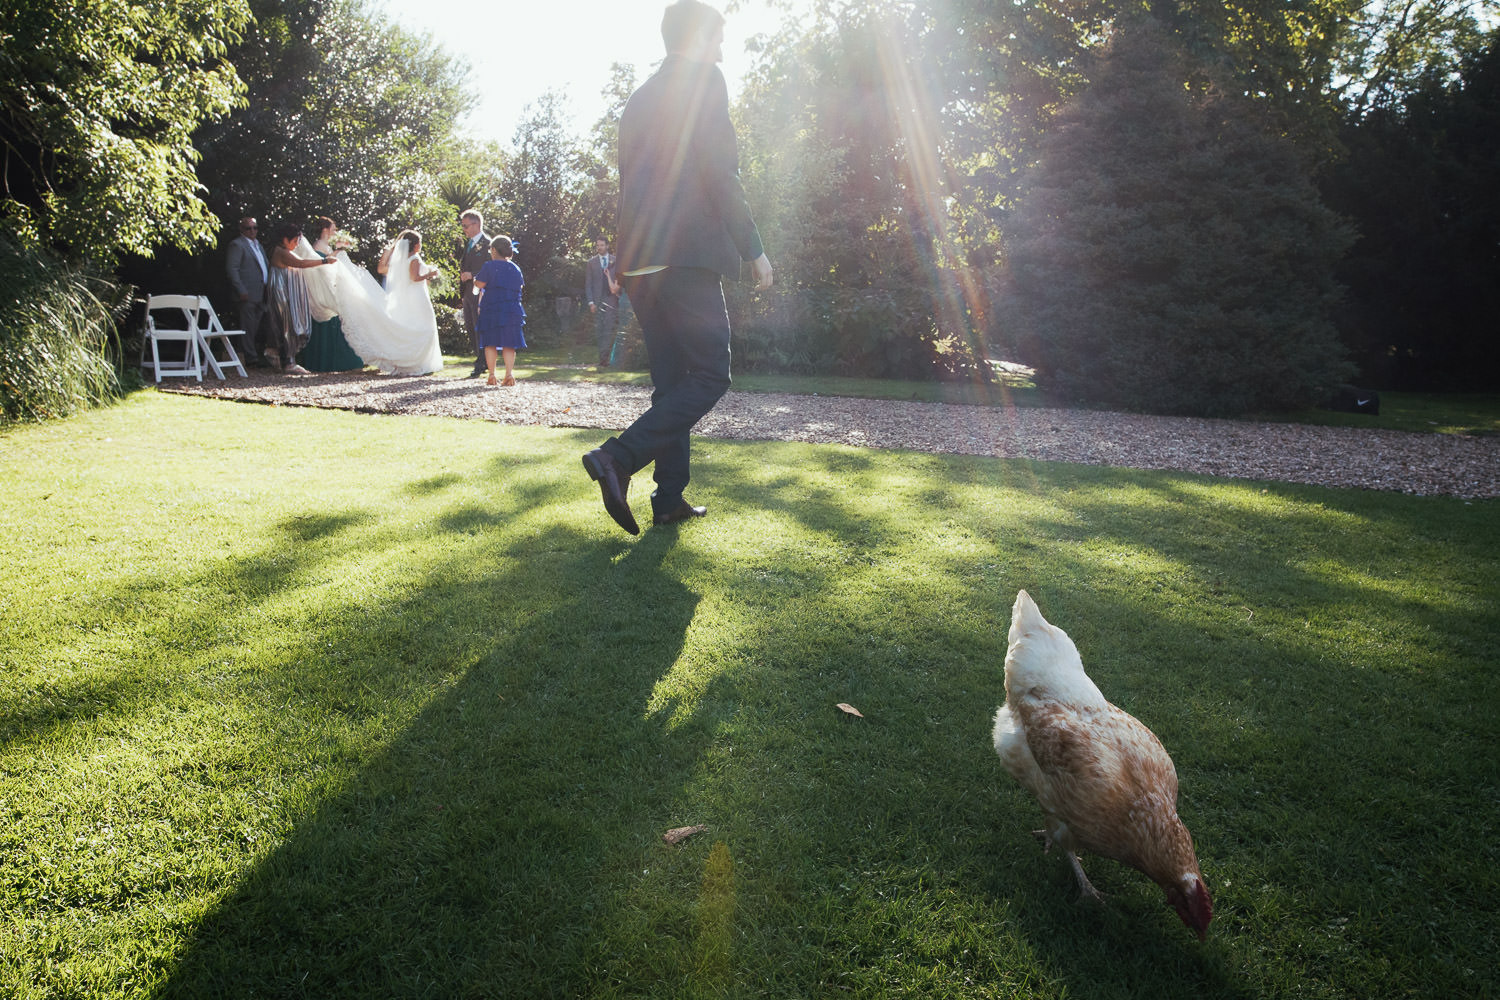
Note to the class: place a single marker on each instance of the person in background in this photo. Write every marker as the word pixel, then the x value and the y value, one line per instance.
pixel 250 277
pixel 327 350
pixel 502 318
pixel 603 296
pixel 473 255
pixel 683 225
pixel 290 316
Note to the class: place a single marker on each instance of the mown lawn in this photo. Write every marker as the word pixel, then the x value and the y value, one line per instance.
pixel 307 703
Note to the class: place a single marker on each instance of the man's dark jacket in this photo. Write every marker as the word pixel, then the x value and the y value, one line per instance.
pixel 471 259
pixel 681 201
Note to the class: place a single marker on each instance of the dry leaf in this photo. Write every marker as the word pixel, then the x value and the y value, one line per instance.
pixel 846 707
pixel 681 833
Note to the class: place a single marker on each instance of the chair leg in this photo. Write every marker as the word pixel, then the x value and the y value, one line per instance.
pixel 206 355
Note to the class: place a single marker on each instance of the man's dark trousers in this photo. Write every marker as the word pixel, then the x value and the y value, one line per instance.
pixel 686 328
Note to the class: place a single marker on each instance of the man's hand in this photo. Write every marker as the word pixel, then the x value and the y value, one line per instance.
pixel 593 308
pixel 465 276
pixel 761 268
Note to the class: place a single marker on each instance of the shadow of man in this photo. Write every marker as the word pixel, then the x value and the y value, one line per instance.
pixel 473 856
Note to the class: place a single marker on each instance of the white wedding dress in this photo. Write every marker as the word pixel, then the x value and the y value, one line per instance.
pixel 392 328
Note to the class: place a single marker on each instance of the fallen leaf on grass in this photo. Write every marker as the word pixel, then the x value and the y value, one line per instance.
pixel 846 707
pixel 681 833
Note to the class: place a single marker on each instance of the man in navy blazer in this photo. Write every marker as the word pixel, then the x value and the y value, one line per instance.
pixel 683 225
pixel 603 299
pixel 472 255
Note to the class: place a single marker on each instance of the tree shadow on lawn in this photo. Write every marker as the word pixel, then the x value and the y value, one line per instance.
pixel 493 847
pixel 474 855
pixel 1256 715
pixel 122 688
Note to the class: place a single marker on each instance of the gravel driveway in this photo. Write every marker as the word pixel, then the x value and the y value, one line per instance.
pixel 1423 464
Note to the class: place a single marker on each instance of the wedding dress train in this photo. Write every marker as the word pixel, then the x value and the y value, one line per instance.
pixel 392 328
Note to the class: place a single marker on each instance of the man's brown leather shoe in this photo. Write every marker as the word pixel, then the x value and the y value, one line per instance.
pixel 682 512
pixel 614 486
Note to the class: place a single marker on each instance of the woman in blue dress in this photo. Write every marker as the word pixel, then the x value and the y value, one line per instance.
pixel 501 317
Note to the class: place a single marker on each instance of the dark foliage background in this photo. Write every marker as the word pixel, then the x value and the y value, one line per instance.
pixel 1168 253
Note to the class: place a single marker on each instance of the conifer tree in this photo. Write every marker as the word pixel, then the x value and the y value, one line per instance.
pixel 1169 254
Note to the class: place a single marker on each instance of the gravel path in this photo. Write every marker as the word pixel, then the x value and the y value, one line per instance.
pixel 1423 464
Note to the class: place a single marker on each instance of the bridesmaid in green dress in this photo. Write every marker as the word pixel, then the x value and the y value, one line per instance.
pixel 326 349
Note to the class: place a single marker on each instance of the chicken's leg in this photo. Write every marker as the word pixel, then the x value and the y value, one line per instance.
pixel 1084 885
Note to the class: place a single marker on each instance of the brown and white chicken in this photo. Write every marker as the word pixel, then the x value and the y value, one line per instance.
pixel 1102 778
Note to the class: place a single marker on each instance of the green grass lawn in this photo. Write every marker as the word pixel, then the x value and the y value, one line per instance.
pixel 300 703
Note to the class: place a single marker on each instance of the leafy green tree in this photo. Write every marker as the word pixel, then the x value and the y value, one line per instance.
pixel 97 116
pixel 847 174
pixel 347 115
pixel 599 161
pixel 1169 253
pixel 1424 276
pixel 1388 49
pixel 541 202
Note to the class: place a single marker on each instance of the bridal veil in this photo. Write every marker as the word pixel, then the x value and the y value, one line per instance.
pixel 391 328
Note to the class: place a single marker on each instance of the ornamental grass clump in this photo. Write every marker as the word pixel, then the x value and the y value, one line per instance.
pixel 57 325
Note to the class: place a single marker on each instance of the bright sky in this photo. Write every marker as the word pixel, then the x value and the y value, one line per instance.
pixel 563 45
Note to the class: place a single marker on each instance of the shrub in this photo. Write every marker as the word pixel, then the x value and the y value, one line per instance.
pixel 1171 255
pixel 57 325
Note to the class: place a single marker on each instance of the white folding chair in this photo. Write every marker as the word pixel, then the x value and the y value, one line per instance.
pixel 212 330
pixel 186 309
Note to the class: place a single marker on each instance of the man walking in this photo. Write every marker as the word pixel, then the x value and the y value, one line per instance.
pixel 245 262
pixel 683 225
pixel 476 250
pixel 604 300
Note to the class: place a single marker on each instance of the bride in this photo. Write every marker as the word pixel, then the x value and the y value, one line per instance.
pixel 392 328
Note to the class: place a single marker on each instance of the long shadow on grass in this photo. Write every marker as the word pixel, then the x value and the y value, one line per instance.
pixel 472 857
pixel 1193 618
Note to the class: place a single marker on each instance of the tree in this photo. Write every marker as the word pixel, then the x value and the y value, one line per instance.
pixel 1169 253
pixel 347 115
pixel 1424 275
pixel 541 201
pixel 1388 49
pixel 97 116
pixel 600 161
pixel 847 172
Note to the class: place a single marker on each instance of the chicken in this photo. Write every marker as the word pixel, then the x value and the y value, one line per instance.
pixel 1102 778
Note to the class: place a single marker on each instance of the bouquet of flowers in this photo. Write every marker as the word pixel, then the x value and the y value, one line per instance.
pixel 341 240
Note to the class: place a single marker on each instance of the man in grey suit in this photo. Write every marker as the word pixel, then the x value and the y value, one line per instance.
pixel 603 297
pixel 475 251
pixel 248 275
pixel 683 225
